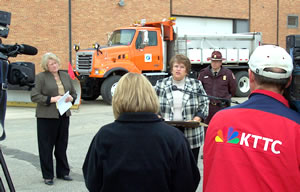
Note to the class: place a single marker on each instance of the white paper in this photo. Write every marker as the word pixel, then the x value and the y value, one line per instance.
pixel 62 105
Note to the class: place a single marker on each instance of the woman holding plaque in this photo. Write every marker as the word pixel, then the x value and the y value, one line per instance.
pixel 180 100
pixel 52 127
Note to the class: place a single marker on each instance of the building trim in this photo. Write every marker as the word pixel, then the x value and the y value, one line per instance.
pixel 195 16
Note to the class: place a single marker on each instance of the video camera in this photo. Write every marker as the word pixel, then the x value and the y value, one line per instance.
pixel 19 73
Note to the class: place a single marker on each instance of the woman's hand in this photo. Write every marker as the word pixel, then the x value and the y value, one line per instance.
pixel 196 118
pixel 69 98
pixel 55 99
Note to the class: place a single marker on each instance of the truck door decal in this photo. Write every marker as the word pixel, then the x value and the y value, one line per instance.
pixel 148 58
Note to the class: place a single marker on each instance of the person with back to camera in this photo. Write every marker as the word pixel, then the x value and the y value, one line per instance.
pixel 217 81
pixel 178 105
pixel 52 128
pixel 138 151
pixel 255 146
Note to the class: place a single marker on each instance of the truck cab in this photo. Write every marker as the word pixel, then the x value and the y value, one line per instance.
pixel 137 49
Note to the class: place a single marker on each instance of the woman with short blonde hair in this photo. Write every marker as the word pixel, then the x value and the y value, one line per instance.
pixel 46 57
pixel 138 151
pixel 52 127
pixel 134 93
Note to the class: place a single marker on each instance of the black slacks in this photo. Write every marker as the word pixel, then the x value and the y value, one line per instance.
pixel 195 150
pixel 53 134
pixel 196 153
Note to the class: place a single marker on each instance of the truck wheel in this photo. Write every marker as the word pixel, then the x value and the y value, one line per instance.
pixel 243 84
pixel 108 87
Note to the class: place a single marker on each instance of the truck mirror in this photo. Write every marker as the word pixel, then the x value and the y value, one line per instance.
pixel 145 38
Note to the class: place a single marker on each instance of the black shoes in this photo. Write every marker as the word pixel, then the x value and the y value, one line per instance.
pixel 66 178
pixel 49 181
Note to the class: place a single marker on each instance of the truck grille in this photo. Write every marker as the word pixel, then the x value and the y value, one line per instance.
pixel 84 62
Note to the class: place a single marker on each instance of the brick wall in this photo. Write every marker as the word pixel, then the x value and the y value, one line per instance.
pixel 92 22
pixel 271 19
pixel 288 7
pixel 212 8
pixel 264 19
pixel 44 23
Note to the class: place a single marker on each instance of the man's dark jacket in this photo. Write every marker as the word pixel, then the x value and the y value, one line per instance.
pixel 223 85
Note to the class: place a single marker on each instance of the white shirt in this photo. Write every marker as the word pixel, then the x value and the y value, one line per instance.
pixel 177 100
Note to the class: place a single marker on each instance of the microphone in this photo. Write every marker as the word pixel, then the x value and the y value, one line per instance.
pixel 175 88
pixel 27 49
pixel 14 50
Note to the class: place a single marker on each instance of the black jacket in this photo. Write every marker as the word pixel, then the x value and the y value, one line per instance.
pixel 139 152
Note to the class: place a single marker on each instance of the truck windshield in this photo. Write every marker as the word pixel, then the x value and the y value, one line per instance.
pixel 121 37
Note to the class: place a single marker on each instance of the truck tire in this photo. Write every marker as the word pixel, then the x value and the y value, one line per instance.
pixel 108 88
pixel 243 84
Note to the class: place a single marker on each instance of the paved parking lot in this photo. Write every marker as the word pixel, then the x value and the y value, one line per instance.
pixel 20 148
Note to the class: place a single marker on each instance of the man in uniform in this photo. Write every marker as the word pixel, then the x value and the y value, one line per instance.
pixel 217 81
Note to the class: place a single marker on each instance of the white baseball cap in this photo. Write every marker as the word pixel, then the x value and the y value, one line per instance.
pixel 271 56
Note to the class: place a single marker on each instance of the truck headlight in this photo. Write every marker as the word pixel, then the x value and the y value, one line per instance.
pixel 76 47
pixel 100 71
pixel 96 46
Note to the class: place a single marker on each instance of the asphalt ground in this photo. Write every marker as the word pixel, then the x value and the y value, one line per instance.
pixel 20 148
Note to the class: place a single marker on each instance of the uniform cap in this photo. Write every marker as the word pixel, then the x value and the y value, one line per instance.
pixel 216 55
pixel 271 56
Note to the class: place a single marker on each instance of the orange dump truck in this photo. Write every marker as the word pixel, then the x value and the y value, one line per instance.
pixel 147 47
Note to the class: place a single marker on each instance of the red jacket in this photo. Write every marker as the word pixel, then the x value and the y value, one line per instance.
pixel 254 146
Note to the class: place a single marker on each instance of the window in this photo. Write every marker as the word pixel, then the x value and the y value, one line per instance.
pixel 292 21
pixel 121 37
pixel 240 26
pixel 152 39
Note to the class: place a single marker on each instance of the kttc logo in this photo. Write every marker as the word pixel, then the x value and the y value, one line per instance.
pixel 232 137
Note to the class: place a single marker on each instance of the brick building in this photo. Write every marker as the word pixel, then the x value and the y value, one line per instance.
pixel 45 23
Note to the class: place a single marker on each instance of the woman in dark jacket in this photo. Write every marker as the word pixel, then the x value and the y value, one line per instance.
pixel 139 152
pixel 52 128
